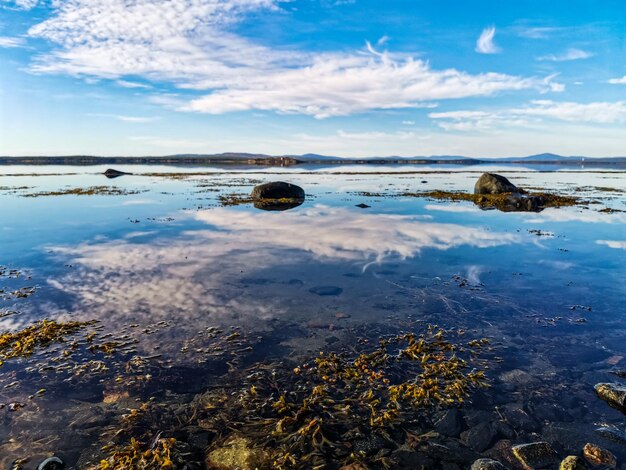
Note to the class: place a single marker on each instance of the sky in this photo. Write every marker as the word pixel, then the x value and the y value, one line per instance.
pixel 350 78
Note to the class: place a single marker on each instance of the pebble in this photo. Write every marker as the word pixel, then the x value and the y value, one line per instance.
pixel 487 464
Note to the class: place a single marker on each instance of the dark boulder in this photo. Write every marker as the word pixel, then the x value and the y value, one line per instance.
pixel 111 173
pixel 491 183
pixel 277 196
pixel 277 190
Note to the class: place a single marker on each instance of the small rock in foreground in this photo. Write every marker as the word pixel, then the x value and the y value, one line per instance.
pixel 536 454
pixel 596 455
pixel 612 393
pixel 237 453
pixel 572 462
pixel 487 464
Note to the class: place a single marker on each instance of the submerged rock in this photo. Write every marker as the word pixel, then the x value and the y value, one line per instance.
pixel 612 434
pixel 491 183
pixel 326 290
pixel 535 455
pixel 51 463
pixel 596 455
pixel 277 190
pixel 572 462
pixel 487 464
pixel 612 393
pixel 111 173
pixel 237 453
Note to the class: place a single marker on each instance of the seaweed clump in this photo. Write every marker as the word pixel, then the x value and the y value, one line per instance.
pixel 23 343
pixel 164 453
pixel 339 397
pixel 90 191
pixel 504 201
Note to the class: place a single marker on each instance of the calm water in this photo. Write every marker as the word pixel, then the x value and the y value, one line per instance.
pixel 158 268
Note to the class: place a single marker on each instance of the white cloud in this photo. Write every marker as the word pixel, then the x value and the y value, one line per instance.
pixel 485 44
pixel 618 81
pixel 339 85
pixel 19 4
pixel 408 123
pixel 539 32
pixel 619 245
pixel 375 135
pixel 597 112
pixel 570 54
pixel 11 42
pixel 199 273
pixel 190 43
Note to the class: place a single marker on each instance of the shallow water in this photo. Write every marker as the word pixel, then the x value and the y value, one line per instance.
pixel 158 267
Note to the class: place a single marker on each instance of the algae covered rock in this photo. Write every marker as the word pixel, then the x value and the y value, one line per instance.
pixel 596 455
pixel 572 462
pixel 535 455
pixel 612 393
pixel 238 453
pixel 491 183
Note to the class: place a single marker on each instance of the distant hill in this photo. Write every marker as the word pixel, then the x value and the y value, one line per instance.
pixel 239 158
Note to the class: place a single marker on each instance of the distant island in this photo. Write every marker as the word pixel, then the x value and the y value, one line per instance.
pixel 232 158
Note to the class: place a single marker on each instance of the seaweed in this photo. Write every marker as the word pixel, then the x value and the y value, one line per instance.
pixel 23 343
pixel 89 191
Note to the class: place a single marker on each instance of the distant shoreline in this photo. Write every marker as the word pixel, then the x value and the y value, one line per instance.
pixel 286 161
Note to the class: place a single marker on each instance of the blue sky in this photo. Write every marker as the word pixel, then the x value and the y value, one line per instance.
pixel 336 77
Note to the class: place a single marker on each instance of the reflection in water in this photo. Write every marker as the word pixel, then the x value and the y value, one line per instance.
pixel 620 245
pixel 199 273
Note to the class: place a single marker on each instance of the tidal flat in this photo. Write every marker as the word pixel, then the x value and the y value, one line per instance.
pixel 391 319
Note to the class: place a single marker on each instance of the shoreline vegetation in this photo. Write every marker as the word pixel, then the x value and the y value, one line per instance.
pixel 309 159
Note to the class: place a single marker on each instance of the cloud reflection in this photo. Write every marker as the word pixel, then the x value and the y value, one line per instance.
pixel 199 273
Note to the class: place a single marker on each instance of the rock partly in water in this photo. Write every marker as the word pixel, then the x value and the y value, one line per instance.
pixel 277 196
pixel 111 173
pixel 612 393
pixel 596 455
pixel 487 464
pixel 572 462
pixel 277 190
pixel 491 183
pixel 535 455
pixel 237 453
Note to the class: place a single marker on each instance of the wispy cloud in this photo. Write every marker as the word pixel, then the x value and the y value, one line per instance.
pixel 539 32
pixel 137 119
pixel 11 42
pixel 597 112
pixel 618 81
pixel 570 54
pixel 485 43
pixel 129 84
pixel 151 40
